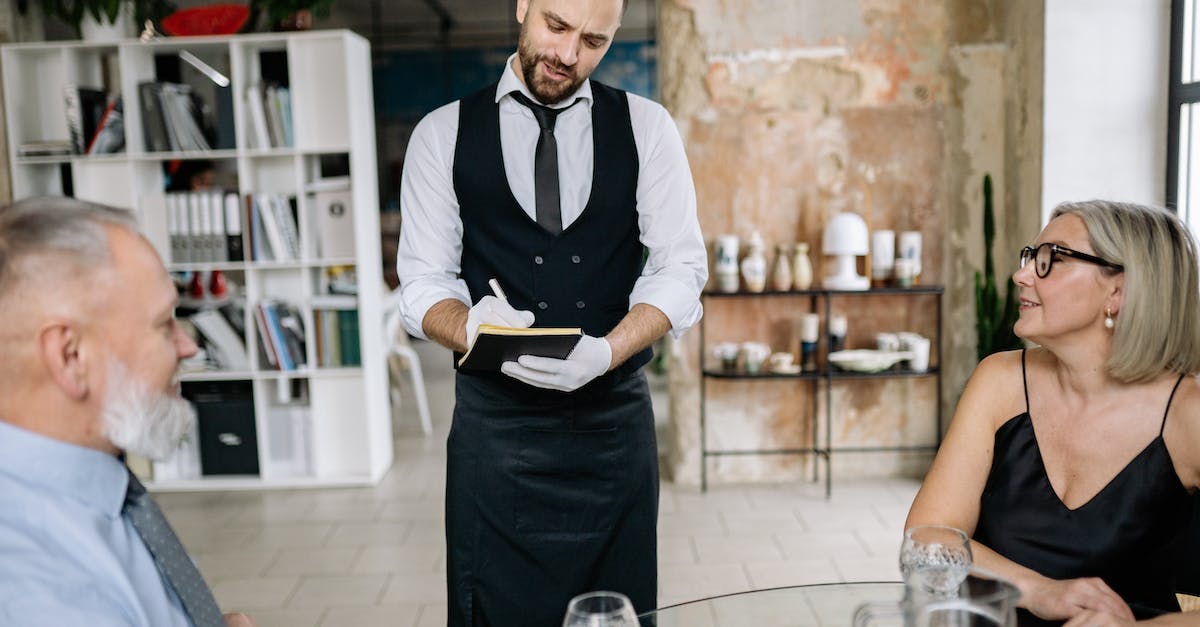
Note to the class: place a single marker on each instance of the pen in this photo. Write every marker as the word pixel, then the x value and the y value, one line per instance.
pixel 496 290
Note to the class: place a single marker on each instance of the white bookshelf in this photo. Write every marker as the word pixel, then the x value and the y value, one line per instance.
pixel 346 427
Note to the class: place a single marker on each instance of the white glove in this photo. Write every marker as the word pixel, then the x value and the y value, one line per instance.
pixel 591 358
pixel 492 310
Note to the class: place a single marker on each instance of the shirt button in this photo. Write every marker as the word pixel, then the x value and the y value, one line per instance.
pixel 579 304
pixel 538 260
pixel 574 258
pixel 543 305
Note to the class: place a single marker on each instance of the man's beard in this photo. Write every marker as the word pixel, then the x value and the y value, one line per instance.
pixel 546 91
pixel 142 421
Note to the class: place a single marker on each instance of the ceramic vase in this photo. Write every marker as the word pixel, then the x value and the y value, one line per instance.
pixel 781 272
pixel 802 273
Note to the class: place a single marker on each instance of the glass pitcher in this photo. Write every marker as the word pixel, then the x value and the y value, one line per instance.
pixel 982 600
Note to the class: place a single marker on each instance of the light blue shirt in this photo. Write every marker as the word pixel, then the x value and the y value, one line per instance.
pixel 67 555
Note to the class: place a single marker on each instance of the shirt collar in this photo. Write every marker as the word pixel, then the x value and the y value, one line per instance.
pixel 509 82
pixel 95 478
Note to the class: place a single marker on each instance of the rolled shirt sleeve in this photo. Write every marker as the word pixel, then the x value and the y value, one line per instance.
pixel 429 256
pixel 677 263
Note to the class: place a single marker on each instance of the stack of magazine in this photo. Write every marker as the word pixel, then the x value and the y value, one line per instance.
pixel 171 118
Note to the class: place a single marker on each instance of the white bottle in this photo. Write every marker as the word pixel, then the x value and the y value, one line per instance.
pixel 726 266
pixel 802 273
pixel 781 273
pixel 754 266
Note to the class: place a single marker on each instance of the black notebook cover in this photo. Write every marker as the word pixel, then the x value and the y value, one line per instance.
pixel 496 345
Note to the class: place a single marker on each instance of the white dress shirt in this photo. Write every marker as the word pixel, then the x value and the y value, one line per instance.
pixel 430 253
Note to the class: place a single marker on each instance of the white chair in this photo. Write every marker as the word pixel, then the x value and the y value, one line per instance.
pixel 402 356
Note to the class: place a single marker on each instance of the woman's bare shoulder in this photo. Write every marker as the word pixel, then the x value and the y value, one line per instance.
pixel 997 387
pixel 1182 431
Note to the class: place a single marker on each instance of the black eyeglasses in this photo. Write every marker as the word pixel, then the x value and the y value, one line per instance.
pixel 1043 256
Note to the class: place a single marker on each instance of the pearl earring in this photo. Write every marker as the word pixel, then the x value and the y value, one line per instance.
pixel 1108 319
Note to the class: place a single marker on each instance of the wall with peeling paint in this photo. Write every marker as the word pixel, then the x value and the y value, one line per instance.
pixel 792 110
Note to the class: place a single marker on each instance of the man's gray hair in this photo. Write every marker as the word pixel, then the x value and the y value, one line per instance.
pixel 51 225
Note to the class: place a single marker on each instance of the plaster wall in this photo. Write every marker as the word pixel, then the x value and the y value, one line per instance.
pixel 792 110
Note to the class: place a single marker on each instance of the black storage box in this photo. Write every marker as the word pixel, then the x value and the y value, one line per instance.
pixel 225 413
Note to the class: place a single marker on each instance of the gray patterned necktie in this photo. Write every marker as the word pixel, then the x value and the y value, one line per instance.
pixel 172 561
pixel 547 206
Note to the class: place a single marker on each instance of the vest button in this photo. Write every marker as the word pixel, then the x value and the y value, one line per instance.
pixel 574 258
pixel 538 260
pixel 543 305
pixel 579 305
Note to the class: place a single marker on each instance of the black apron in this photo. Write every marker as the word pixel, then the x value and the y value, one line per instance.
pixel 549 495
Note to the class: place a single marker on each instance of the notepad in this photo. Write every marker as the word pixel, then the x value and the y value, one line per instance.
pixel 495 345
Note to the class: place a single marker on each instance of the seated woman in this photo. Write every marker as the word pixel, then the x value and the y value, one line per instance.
pixel 1070 464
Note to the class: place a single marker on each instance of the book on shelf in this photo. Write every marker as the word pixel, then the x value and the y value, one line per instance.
pixel 281 330
pixel 233 227
pixel 288 426
pixel 336 319
pixel 274 231
pixel 154 126
pixel 84 107
pixel 171 120
pixel 257 132
pixel 494 345
pixel 109 136
pixel 45 148
pixel 224 344
pixel 351 352
pixel 265 343
pixel 335 217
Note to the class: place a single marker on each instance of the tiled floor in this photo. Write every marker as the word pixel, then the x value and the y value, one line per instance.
pixel 375 556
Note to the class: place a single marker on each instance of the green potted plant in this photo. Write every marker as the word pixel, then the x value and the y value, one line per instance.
pixel 994 317
pixel 289 14
pixel 76 13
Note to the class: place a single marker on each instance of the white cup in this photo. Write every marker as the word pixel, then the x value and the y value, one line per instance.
pixel 753 355
pixel 887 342
pixel 908 339
pixel 727 354
pixel 883 251
pixel 919 347
pixel 910 249
pixel 810 327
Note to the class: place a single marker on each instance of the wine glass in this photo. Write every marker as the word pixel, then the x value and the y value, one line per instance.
pixel 936 559
pixel 600 609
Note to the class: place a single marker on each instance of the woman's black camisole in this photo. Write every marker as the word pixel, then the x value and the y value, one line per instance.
pixel 1125 534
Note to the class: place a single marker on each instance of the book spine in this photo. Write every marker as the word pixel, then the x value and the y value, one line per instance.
pixel 264 337
pixel 153 125
pixel 100 126
pixel 348 330
pixel 74 112
pixel 233 228
pixel 216 208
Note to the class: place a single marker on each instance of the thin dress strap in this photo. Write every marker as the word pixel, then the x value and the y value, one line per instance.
pixel 1024 380
pixel 1168 409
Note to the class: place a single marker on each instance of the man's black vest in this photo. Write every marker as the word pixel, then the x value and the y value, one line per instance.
pixel 583 276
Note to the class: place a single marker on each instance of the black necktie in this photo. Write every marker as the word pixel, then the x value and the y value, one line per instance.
pixel 172 561
pixel 545 165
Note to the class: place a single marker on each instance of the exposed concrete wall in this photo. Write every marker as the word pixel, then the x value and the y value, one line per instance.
pixel 794 109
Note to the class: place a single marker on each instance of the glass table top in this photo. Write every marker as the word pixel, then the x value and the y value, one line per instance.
pixel 830 604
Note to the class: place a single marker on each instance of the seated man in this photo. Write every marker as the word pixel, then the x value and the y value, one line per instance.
pixel 90 350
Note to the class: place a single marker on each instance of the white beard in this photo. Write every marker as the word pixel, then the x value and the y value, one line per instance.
pixel 142 421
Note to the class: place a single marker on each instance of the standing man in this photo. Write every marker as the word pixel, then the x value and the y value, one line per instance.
pixel 578 199
pixel 91 347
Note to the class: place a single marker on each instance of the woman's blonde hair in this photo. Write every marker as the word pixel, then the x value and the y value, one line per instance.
pixel 1158 327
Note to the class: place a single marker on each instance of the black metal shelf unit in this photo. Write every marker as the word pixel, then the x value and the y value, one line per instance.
pixel 824 377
